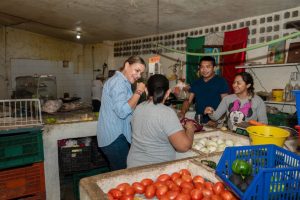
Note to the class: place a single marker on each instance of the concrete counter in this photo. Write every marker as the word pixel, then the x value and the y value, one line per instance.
pixel 51 134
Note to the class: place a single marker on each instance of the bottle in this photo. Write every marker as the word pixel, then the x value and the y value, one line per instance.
pixel 288 92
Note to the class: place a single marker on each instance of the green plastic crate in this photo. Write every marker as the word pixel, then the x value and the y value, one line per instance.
pixel 21 147
pixel 78 176
pixel 282 119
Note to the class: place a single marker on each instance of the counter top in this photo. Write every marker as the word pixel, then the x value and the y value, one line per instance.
pixel 70 117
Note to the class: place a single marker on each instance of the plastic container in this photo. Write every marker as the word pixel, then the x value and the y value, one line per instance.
pixel 23 183
pixel 78 176
pixel 22 147
pixel 267 135
pixel 277 95
pixel 74 159
pixel 276 172
pixel 297 95
pixel 282 119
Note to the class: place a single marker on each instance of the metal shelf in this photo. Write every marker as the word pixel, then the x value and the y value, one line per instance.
pixel 282 103
pixel 268 65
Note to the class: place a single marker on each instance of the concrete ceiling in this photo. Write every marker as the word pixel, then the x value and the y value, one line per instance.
pixel 100 20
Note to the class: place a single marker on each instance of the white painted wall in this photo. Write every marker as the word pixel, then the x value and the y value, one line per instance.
pixel 23 48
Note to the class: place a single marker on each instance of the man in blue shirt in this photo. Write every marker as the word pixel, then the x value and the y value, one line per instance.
pixel 208 90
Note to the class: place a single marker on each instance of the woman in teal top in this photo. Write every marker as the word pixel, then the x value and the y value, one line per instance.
pixel 118 102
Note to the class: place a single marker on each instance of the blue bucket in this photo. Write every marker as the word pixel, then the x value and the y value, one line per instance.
pixel 297 95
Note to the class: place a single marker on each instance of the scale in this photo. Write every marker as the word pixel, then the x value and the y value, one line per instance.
pixel 241 131
pixel 241 128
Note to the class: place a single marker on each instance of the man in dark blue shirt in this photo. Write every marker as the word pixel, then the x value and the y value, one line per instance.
pixel 208 90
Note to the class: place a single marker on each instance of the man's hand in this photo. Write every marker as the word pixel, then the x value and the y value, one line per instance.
pixel 208 110
pixel 211 123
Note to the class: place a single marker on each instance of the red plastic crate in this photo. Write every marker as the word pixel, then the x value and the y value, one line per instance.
pixel 26 182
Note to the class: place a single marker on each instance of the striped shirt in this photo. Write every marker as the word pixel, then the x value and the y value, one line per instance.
pixel 115 112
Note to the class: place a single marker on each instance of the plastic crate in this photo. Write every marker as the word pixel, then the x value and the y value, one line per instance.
pixel 276 172
pixel 297 95
pixel 98 159
pixel 78 176
pixel 23 182
pixel 282 119
pixel 74 159
pixel 22 147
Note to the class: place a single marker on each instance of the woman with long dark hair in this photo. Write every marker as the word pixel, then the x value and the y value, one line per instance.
pixel 156 130
pixel 243 105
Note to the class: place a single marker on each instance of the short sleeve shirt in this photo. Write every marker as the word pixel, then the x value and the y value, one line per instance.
pixel 151 127
pixel 208 93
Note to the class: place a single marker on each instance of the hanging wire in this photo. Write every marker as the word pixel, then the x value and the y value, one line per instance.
pixel 259 81
pixel 252 47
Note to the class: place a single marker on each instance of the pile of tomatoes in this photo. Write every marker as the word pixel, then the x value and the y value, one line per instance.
pixel 179 186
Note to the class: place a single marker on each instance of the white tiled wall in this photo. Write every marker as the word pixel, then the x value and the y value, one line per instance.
pixel 75 84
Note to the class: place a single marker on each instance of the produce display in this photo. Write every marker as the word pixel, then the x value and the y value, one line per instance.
pixel 179 185
pixel 214 144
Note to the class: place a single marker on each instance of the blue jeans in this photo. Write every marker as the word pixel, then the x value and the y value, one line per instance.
pixel 116 153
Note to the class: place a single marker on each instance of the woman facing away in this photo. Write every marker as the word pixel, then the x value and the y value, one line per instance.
pixel 156 130
pixel 243 105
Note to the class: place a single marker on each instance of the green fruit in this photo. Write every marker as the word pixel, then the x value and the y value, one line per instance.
pixel 50 120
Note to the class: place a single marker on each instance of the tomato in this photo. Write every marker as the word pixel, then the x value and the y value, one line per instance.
pixel 208 185
pixel 183 197
pixel 226 195
pixel 198 179
pixel 218 187
pixel 129 191
pixel 216 197
pixel 163 177
pixel 178 181
pixel 127 197
pixel 122 186
pixel 185 172
pixel 187 185
pixel 186 190
pixel 207 192
pixel 158 184
pixel 186 178
pixel 199 186
pixel 115 193
pixel 110 196
pixel 172 194
pixel 161 190
pixel 164 197
pixel 146 182
pixel 174 187
pixel 138 187
pixel 196 194
pixel 175 176
pixel 150 191
pixel 169 182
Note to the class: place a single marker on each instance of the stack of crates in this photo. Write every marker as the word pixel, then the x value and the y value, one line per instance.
pixel 21 164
